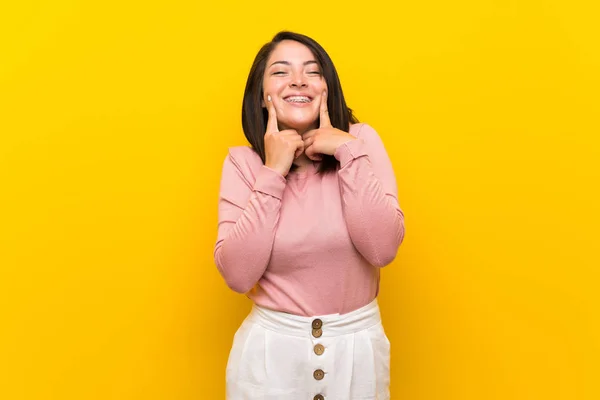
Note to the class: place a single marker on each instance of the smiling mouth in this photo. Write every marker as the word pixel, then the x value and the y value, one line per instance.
pixel 298 99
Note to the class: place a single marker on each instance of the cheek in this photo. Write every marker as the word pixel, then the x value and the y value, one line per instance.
pixel 272 87
pixel 319 86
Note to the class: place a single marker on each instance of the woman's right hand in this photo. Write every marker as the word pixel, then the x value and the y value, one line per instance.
pixel 281 147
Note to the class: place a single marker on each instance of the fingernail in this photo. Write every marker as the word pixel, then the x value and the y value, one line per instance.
pixel 269 97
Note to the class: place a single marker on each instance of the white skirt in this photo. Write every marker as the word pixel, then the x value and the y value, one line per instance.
pixel 280 356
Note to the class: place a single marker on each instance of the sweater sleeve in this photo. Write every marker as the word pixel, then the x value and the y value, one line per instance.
pixel 368 188
pixel 248 215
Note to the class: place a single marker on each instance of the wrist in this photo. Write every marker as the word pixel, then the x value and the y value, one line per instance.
pixel 342 142
pixel 280 171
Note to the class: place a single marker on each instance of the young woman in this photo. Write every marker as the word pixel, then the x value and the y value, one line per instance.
pixel 307 218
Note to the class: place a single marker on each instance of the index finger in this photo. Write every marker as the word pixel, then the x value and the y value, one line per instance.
pixel 324 113
pixel 272 121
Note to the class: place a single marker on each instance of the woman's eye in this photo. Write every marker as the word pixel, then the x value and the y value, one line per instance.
pixel 278 73
pixel 314 73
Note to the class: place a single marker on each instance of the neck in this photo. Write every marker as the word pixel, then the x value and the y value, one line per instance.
pixel 302 162
pixel 301 132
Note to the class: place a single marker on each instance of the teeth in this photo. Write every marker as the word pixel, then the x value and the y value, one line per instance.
pixel 298 99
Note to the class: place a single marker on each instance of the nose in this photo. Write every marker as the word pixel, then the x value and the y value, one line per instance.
pixel 298 81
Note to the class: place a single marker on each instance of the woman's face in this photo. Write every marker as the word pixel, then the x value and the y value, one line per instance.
pixel 295 83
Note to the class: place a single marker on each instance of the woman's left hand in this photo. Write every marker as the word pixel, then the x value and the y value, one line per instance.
pixel 326 139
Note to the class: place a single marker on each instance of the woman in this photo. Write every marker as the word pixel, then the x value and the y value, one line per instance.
pixel 307 217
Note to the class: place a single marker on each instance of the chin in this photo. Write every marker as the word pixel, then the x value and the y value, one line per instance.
pixel 300 124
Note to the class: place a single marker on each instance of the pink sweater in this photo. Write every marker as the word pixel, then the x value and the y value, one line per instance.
pixel 309 244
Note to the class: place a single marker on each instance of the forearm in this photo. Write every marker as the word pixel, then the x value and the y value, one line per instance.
pixel 374 219
pixel 243 249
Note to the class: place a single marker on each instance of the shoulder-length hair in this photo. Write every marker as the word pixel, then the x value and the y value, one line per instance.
pixel 254 116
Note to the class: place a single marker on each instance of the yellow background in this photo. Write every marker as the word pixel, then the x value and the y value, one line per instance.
pixel 115 117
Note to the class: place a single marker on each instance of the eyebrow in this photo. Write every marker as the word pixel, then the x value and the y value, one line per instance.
pixel 288 63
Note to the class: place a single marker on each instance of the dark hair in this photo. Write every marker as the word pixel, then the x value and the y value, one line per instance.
pixel 254 116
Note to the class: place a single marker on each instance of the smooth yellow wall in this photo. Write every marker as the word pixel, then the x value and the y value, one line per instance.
pixel 115 117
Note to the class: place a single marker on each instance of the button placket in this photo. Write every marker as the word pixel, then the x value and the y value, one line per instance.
pixel 318 350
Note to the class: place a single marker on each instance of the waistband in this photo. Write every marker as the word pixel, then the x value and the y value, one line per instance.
pixel 330 324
